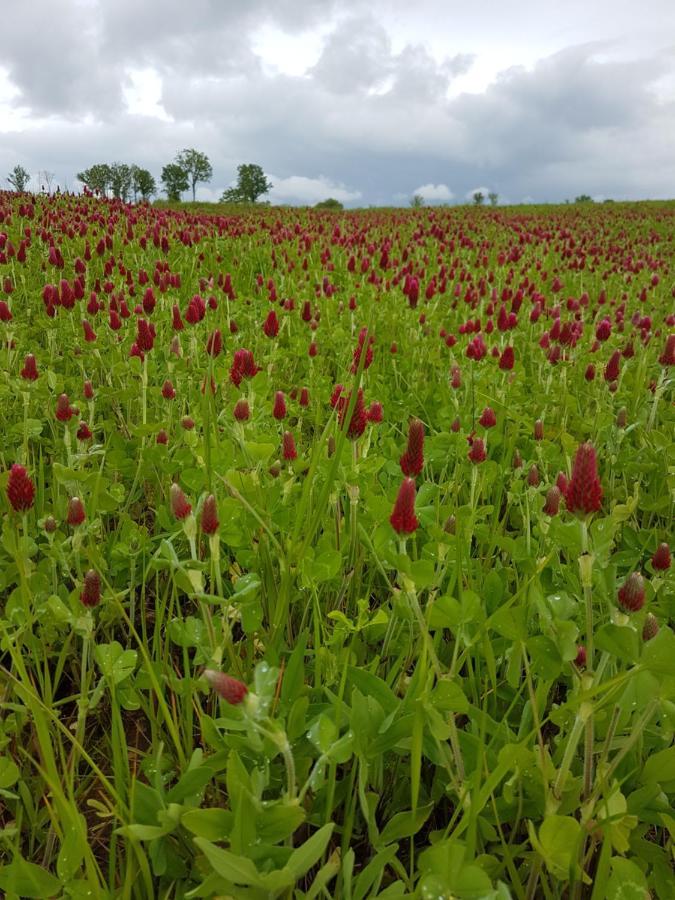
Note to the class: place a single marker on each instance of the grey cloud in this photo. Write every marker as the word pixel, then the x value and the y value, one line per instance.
pixel 367 118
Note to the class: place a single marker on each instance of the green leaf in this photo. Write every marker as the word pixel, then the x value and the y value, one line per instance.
pixel 659 767
pixel 322 733
pixel 72 850
pixel 545 657
pixel 237 869
pixel 9 772
pixel 423 573
pixel 115 663
pixel 659 654
pixel 304 857
pixel 28 880
pixel 627 881
pixel 618 641
pixel 558 844
pixel 212 824
pixel 405 824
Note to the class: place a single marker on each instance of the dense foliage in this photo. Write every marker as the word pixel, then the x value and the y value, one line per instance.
pixel 334 556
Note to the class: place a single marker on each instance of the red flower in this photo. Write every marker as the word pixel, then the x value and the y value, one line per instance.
pixel 279 408
pixel 168 390
pixel 91 590
pixel 162 437
pixel 507 359
pixel 243 366
pixel 580 658
pixel 667 358
pixel 412 461
pixel 561 482
pixel 241 410
pixel 229 688
pixel 374 413
pixel 661 557
pixel 612 367
pixel 488 418
pixel 589 374
pixel 188 423
pixel 631 595
pixel 88 390
pixel 584 491
pixel 75 515
pixel 358 422
pixel 84 432
pixel 89 333
pixel 20 489
pixel 403 519
pixel 210 521
pixel 539 430
pixel 145 335
pixel 650 628
pixel 214 344
pixel 29 371
pixel 533 476
pixel 477 452
pixel 552 501
pixel 363 337
pixel 64 411
pixel 180 506
pixel 288 446
pixel 304 397
pixel 271 325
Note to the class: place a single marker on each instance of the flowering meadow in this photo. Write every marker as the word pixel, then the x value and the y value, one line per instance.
pixel 336 552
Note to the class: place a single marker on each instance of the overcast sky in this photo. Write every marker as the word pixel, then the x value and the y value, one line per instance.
pixel 369 102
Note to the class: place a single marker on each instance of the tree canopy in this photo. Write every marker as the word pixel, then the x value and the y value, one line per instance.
pixel 19 178
pixel 196 166
pixel 251 184
pixel 175 180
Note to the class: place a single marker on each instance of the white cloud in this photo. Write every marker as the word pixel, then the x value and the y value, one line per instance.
pixel 143 94
pixel 434 192
pixel 482 190
pixel 300 189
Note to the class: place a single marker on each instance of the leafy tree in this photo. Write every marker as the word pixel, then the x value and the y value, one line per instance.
pixel 478 198
pixel 196 166
pixel 417 201
pixel 121 178
pixel 329 203
pixel 175 180
pixel 493 197
pixel 97 178
pixel 251 184
pixel 583 198
pixel 142 183
pixel 19 178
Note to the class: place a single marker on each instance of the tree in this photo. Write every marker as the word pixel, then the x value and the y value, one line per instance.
pixel 175 180
pixel 493 197
pixel 97 178
pixel 251 184
pixel 583 198
pixel 121 178
pixel 142 183
pixel 478 198
pixel 329 203
pixel 19 178
pixel 417 201
pixel 196 166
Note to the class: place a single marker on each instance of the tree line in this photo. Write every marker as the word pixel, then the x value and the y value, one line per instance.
pixel 189 168
pixel 131 182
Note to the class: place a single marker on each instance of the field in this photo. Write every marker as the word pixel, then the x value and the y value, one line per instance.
pixel 334 555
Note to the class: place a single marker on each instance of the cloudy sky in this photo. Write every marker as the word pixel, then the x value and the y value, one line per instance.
pixel 369 102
